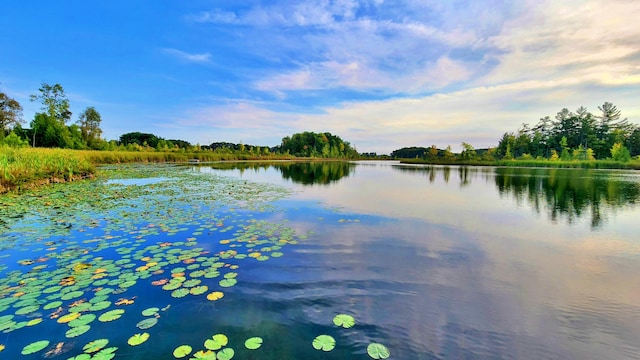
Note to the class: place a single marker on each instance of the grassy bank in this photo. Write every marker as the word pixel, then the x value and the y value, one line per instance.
pixel 583 164
pixel 26 167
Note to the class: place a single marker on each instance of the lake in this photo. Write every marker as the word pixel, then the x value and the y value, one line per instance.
pixel 257 261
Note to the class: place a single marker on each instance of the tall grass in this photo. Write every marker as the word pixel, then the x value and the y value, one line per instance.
pixel 26 166
pixel 19 167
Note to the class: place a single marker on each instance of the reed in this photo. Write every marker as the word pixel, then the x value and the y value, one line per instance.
pixel 26 167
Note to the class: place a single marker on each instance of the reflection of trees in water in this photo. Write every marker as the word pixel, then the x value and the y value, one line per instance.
pixel 316 172
pixel 570 193
pixel 307 173
pixel 465 173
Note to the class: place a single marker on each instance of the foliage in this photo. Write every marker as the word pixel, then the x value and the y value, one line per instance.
pixel 620 153
pixel 322 145
pixel 90 131
pixel 591 135
pixel 10 112
pixel 54 102
pixel 14 141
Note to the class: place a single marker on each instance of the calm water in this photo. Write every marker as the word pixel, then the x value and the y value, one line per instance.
pixel 432 262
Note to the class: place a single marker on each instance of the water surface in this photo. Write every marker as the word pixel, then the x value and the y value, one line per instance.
pixel 433 262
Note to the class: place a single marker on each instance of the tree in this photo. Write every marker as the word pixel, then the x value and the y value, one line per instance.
pixel 468 152
pixel 49 132
pixel 54 102
pixel 89 122
pixel 620 153
pixel 10 113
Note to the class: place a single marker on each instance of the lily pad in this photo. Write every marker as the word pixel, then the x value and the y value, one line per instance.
pixel 182 351
pixel 228 282
pixel 147 323
pixel 150 311
pixel 216 342
pixel 77 331
pixel 226 354
pixel 67 318
pixel 179 293
pixel 377 351
pixel 35 347
pixel 344 320
pixel 138 339
pixel 253 343
pixel 199 290
pixel 216 295
pixel 111 315
pixel 324 343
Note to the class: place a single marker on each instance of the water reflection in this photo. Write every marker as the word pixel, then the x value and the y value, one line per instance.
pixel 561 193
pixel 306 173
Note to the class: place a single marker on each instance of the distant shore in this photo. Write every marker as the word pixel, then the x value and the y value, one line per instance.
pixel 26 168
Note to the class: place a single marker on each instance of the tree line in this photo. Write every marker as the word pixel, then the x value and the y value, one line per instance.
pixel 579 135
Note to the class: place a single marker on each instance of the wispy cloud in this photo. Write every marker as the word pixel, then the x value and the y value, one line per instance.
pixel 196 58
pixel 435 72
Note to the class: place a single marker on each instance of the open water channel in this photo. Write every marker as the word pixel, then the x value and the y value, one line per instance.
pixel 213 260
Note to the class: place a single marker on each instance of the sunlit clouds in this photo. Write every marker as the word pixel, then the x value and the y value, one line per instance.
pixel 380 74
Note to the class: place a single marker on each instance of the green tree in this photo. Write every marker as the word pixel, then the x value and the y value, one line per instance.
pixel 13 140
pixel 620 153
pixel 54 102
pixel 468 152
pixel 10 113
pixel 90 130
pixel 49 132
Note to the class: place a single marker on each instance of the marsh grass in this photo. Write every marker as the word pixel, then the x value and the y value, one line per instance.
pixel 25 167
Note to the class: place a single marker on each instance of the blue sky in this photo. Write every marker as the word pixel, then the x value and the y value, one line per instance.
pixel 380 74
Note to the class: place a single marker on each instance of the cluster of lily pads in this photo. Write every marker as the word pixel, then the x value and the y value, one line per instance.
pixel 328 342
pixel 217 342
pixel 72 253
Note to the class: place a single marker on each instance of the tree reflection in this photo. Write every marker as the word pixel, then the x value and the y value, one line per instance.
pixel 562 193
pixel 306 173
pixel 309 173
pixel 568 193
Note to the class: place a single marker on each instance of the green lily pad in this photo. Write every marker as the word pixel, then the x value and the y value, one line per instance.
pixel 228 282
pixel 216 342
pixel 150 311
pixel 205 355
pixel 52 305
pixel 77 331
pixel 82 320
pixel 27 309
pixel 71 295
pixel 344 320
pixel 138 339
pixel 105 354
pixel 377 351
pixel 324 343
pixel 147 323
pixel 179 293
pixel 199 290
pixel 182 351
pixel 35 347
pixel 100 305
pixel 253 343
pixel 226 354
pixel 81 357
pixel 111 315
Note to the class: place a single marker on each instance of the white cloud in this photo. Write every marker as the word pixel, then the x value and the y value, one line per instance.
pixel 196 58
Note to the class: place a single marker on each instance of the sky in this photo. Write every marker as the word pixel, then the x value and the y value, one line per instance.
pixel 380 74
